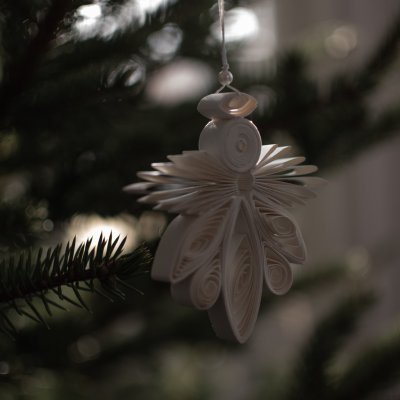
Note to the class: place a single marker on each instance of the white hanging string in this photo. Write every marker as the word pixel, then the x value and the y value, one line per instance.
pixel 225 76
pixel 224 58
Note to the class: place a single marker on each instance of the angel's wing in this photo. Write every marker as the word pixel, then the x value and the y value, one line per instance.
pixel 192 183
pixel 283 244
pixel 189 256
pixel 280 182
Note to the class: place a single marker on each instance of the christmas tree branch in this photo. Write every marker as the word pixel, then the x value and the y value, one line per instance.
pixel 340 114
pixel 25 277
pixel 384 56
pixel 21 73
pixel 310 378
pixel 372 371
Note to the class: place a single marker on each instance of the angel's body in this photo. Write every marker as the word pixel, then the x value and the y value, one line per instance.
pixel 234 228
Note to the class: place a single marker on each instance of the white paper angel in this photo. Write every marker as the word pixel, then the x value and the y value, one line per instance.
pixel 234 231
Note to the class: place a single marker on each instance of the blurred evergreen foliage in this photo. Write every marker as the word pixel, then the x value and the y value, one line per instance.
pixel 100 269
pixel 75 127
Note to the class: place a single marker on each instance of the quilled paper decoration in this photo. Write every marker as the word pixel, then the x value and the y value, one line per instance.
pixel 233 231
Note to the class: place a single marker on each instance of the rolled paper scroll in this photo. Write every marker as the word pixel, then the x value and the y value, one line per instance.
pixel 227 105
pixel 277 272
pixel 201 289
pixel 234 230
pixel 236 142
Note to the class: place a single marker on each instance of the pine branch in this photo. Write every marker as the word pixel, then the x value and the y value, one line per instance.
pixel 311 380
pixel 384 56
pixel 375 369
pixel 21 73
pixel 341 114
pixel 27 277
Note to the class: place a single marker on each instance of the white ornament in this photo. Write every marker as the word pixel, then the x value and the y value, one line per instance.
pixel 233 231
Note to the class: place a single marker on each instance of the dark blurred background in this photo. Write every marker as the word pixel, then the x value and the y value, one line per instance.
pixel 93 91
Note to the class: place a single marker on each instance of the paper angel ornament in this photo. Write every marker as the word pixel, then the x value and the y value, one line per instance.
pixel 233 231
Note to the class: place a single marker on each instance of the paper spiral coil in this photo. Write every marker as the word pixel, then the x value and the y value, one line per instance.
pixel 236 141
